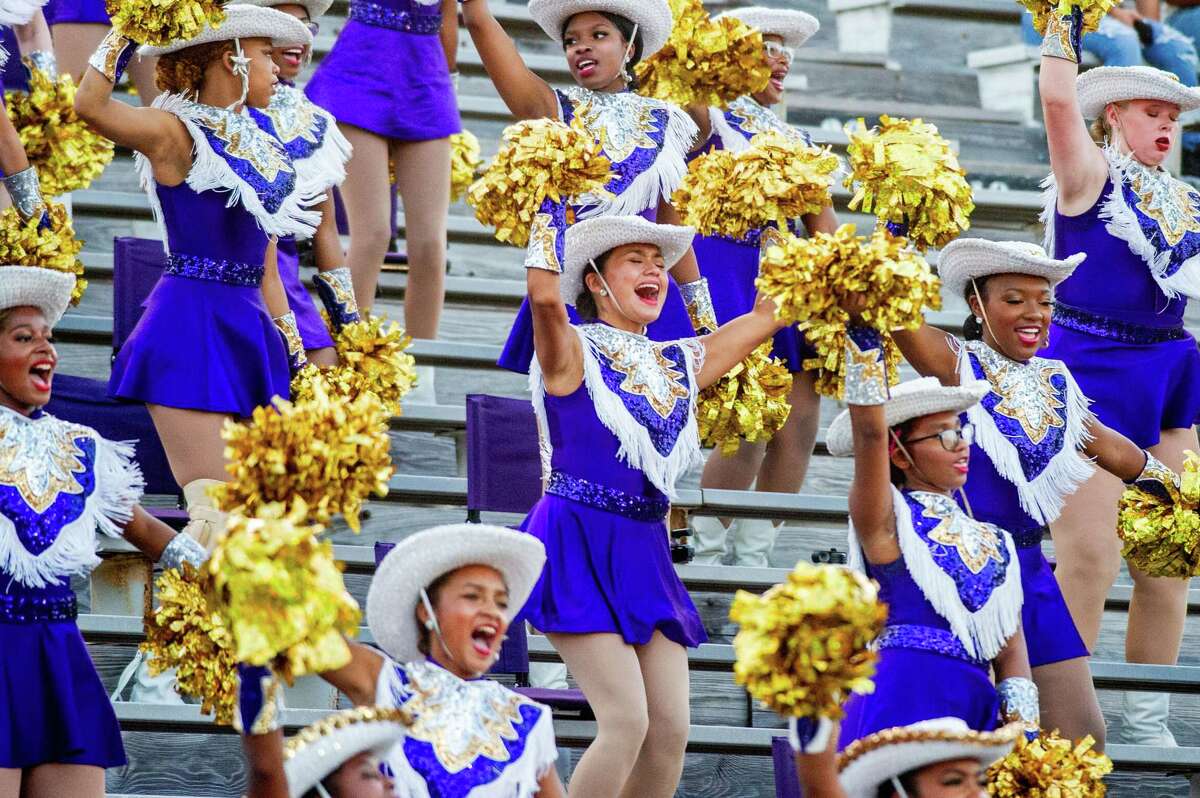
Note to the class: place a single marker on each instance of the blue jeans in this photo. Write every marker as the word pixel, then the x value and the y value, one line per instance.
pixel 1117 44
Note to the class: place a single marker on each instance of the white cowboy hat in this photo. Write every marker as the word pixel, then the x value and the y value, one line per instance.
pixel 325 746
pixel 315 8
pixel 872 761
pixel 591 238
pixel 48 290
pixel 1103 85
pixel 243 22
pixel 923 396
pixel 796 27
pixel 652 17
pixel 965 259
pixel 419 559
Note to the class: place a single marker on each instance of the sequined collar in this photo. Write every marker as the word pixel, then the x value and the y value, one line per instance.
pixel 623 122
pixel 1026 392
pixel 748 117
pixel 40 457
pixel 296 121
pixel 942 523
pixel 1172 204
pixel 648 369
pixel 237 136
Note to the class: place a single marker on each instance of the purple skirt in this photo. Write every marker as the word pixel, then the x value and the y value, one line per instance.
pixel 913 685
pixel 731 269
pixel 1050 633
pixel 202 345
pixel 1137 389
pixel 607 573
pixel 53 708
pixel 392 83
pixel 312 327
pixel 79 11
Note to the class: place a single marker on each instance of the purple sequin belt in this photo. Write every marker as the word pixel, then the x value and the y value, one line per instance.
pixel 1028 538
pixel 197 267
pixel 1113 329
pixel 407 20
pixel 925 638
pixel 611 500
pixel 34 608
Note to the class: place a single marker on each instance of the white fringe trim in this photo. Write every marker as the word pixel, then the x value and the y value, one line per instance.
pixel 108 509
pixel 731 138
pixel 1043 497
pixel 326 166
pixel 18 12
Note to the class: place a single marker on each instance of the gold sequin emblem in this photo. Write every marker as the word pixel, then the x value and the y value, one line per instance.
pixel 1169 202
pixel 621 122
pixel 977 543
pixel 647 371
pixel 747 115
pixel 1026 394
pixel 243 139
pixel 40 460
pixel 293 115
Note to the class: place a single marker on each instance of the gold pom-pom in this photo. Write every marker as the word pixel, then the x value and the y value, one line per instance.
pixel 282 593
pixel 706 61
pixel 906 174
pixel 160 22
pixel 1093 12
pixel 372 359
pixel 1050 767
pixel 777 179
pixel 803 646
pixel 67 154
pixel 1162 539
pixel 187 634
pixel 809 279
pixel 749 403
pixel 464 163
pixel 52 246
pixel 329 453
pixel 538 159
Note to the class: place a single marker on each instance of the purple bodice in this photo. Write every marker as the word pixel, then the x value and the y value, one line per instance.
pixel 1113 281
pixel 905 601
pixel 994 499
pixel 201 224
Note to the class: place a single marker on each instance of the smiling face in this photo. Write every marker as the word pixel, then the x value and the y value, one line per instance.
pixel 264 74
pixel 595 51
pixel 359 777
pixel 637 277
pixel 471 604
pixel 959 778
pixel 290 60
pixel 27 359
pixel 1148 128
pixel 932 468
pixel 1017 308
pixel 780 64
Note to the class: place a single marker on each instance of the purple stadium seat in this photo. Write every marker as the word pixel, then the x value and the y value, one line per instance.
pixel 787 783
pixel 504 470
pixel 137 265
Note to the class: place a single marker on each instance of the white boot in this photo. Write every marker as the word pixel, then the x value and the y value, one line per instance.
pixel 753 541
pixel 1146 719
pixel 206 523
pixel 423 393
pixel 147 689
pixel 708 540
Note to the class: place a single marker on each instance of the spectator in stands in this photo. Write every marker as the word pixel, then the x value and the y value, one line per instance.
pixel 730 268
pixel 439 606
pixel 1135 36
pixel 206 349
pixel 390 82
pixel 320 152
pixel 61 482
pixel 77 28
pixel 616 414
pixel 646 139
pixel 1118 323
pixel 951 583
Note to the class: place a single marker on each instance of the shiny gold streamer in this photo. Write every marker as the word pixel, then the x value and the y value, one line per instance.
pixel 538 159
pixel 53 246
pixel 67 154
pixel 161 22
pixel 810 279
pixel 1050 767
pixel 749 403
pixel 804 645
pixel 1093 11
pixel 705 62
pixel 777 179
pixel 904 172
pixel 373 358
pixel 464 163
pixel 1162 539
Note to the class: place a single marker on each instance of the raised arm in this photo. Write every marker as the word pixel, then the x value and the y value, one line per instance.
pixel 526 95
pixel 266 777
pixel 358 677
pixel 558 350
pixel 932 352
pixel 733 341
pixel 824 222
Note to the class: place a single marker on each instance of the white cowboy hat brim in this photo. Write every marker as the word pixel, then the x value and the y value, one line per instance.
pixel 796 27
pixel 1103 85
pixel 315 8
pixel 652 17
pixel 913 399
pixel 872 761
pixel 325 746
pixel 965 259
pixel 243 22
pixel 32 286
pixel 419 559
pixel 588 240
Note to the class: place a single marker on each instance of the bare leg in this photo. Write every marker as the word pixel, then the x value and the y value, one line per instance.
pixel 192 440
pixel 74 43
pixel 786 462
pixel 10 783
pixel 664 668
pixel 366 193
pixel 1068 700
pixel 423 178
pixel 55 781
pixel 608 672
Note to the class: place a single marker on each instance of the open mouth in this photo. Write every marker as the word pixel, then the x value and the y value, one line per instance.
pixel 483 639
pixel 777 78
pixel 648 293
pixel 42 374
pixel 962 465
pixel 1029 336
pixel 1163 143
pixel 586 67
pixel 293 56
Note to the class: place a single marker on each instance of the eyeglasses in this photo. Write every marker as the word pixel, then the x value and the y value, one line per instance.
pixel 313 27
pixel 950 438
pixel 777 50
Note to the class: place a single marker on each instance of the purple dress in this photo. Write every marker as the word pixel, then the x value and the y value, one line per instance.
pixel 387 72
pixel 206 341
pixel 1115 325
pixel 93 12
pixel 953 602
pixel 602 519
pixel 53 706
